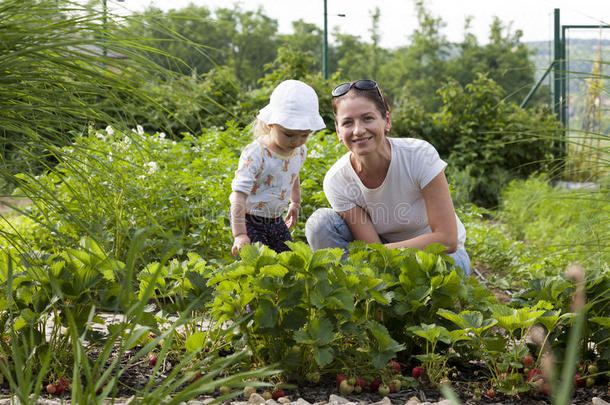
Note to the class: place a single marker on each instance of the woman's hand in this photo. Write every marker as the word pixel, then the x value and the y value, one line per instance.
pixel 239 242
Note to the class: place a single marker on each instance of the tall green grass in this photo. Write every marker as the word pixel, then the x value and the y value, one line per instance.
pixel 63 74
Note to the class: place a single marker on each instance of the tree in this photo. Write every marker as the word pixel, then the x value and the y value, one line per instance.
pixel 306 39
pixel 419 69
pixel 504 59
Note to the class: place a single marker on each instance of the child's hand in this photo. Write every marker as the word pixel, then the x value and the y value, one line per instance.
pixel 239 242
pixel 292 215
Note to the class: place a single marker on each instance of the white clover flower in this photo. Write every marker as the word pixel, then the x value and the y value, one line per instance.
pixel 100 136
pixel 162 135
pixel 173 142
pixel 109 130
pixel 152 167
pixel 140 129
pixel 127 140
pixel 110 156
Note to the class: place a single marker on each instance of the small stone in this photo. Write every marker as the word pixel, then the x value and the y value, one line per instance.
pixel 337 400
pixel 598 401
pixel 283 400
pixel 301 401
pixel 384 401
pixel 320 403
pixel 444 402
pixel 256 398
pixel 271 402
pixel 194 402
pixel 413 401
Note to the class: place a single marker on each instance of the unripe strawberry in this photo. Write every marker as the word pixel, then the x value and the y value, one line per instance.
pixel 267 395
pixel 51 388
pixel 345 387
pixel 249 390
pixel 383 389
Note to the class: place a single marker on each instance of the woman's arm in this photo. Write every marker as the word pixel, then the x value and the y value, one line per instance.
pixel 441 218
pixel 360 225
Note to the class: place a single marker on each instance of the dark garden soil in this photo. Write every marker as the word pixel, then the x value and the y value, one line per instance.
pixel 136 376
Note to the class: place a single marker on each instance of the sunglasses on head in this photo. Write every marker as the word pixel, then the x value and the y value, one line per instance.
pixel 363 84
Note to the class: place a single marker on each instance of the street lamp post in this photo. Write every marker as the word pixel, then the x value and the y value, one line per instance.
pixel 325 48
pixel 325 54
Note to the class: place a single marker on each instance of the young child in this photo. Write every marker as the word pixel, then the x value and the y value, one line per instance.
pixel 267 181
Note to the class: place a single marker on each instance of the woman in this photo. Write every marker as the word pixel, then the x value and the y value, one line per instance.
pixel 384 190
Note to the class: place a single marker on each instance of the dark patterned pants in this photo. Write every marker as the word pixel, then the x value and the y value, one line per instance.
pixel 272 232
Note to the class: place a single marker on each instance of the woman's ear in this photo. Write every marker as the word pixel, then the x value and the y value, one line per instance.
pixel 388 122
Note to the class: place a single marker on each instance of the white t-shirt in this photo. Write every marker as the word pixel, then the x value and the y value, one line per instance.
pixel 397 207
pixel 267 178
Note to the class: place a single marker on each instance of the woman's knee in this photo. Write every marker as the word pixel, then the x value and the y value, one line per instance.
pixel 325 228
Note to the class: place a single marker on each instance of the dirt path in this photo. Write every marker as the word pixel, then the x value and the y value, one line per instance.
pixel 7 202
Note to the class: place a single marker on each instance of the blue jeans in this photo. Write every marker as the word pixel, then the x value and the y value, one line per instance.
pixel 325 228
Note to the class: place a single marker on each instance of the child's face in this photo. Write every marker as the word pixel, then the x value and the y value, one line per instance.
pixel 284 140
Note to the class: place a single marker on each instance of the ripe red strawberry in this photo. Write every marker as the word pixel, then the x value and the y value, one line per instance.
pixel 394 366
pixel 361 382
pixel 59 389
pixel 528 361
pixel 63 382
pixel 534 374
pixel 277 394
pixel 375 384
pixel 579 381
pixel 491 393
pixel 152 361
pixel 417 372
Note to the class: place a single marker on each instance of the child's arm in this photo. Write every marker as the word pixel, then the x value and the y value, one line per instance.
pixel 238 221
pixel 295 203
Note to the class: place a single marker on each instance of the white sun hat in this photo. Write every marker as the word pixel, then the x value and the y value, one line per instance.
pixel 293 105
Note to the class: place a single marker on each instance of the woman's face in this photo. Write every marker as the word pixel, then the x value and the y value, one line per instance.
pixel 360 125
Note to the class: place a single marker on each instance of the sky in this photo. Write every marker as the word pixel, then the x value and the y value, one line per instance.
pixel 398 19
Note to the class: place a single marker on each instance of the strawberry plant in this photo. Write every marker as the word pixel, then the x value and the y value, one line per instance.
pixel 435 363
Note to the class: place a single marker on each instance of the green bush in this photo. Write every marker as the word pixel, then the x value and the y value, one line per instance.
pixel 477 131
